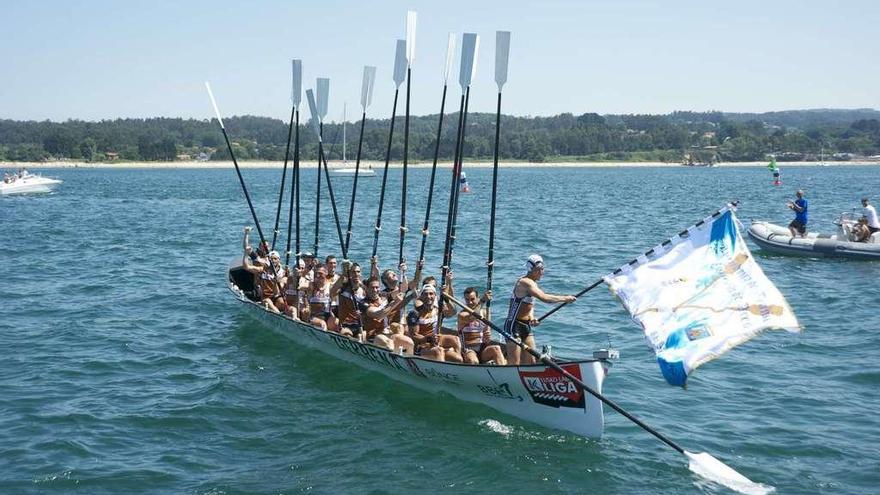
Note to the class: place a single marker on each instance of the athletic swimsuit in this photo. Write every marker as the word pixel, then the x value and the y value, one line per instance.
pixel 426 326
pixel 397 315
pixel 268 288
pixel 319 303
pixel 513 325
pixel 334 304
pixel 475 332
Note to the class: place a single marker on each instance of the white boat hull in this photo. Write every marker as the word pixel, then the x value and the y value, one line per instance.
pixel 351 172
pixel 534 393
pixel 29 185
pixel 778 239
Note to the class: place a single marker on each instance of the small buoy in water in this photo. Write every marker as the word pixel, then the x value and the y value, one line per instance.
pixel 462 179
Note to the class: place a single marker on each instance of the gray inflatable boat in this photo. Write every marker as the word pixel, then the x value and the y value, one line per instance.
pixel 778 239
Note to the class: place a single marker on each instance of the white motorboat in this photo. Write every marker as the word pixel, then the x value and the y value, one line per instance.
pixel 27 183
pixel 778 239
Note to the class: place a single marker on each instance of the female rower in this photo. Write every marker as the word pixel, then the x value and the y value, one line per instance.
pixel 377 325
pixel 476 338
pixel 319 301
pixel 350 290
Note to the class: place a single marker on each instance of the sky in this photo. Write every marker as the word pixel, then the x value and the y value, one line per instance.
pixel 99 59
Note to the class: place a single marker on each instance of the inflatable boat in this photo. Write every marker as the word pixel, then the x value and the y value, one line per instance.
pixel 778 239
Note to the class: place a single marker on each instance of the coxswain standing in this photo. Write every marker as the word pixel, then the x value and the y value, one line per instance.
pixel 520 314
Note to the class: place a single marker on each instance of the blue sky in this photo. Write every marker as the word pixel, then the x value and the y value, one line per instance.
pixel 103 59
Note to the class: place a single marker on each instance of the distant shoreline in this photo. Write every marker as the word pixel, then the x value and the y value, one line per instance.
pixel 381 165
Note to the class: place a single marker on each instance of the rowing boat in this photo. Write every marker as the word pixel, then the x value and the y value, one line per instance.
pixel 535 393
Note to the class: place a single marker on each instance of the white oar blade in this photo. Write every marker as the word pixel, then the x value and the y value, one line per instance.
pixel 470 43
pixel 400 63
pixel 323 96
pixel 411 37
pixel 502 57
pixel 214 103
pixel 367 86
pixel 313 108
pixel 450 57
pixel 297 86
pixel 712 469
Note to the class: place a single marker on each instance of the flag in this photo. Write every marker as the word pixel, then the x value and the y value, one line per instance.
pixel 699 295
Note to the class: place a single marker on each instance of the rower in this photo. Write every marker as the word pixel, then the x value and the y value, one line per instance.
pixel 424 328
pixel 520 314
pixel 332 276
pixel 476 337
pixel 320 311
pixel 268 289
pixel 350 290
pixel 376 318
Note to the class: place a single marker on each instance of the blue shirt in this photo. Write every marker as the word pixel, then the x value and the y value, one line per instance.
pixel 801 216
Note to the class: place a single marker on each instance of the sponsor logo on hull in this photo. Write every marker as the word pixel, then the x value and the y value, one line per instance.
pixel 550 388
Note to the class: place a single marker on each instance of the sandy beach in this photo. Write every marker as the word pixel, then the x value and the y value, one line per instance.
pixel 379 165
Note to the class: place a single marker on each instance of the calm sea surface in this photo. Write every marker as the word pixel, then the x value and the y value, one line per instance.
pixel 126 367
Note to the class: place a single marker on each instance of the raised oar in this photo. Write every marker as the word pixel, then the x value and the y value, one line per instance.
pixel 366 98
pixel 244 189
pixel 650 252
pixel 322 159
pixel 450 52
pixel 399 76
pixel 410 57
pixel 701 463
pixel 283 175
pixel 502 57
pixel 469 48
pixel 296 98
pixel 323 89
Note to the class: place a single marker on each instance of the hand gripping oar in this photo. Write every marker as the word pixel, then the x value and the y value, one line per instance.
pixel 247 196
pixel 632 262
pixel 700 463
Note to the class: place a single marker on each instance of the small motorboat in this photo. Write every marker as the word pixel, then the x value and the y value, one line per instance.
pixel 27 183
pixel 778 239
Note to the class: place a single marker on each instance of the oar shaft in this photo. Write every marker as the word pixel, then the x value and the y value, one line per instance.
pixel 283 177
pixel 294 188
pixel 583 386
pixel 579 294
pixel 433 176
pixel 354 187
pixel 318 188
pixel 400 257
pixel 452 188
pixel 333 205
pixel 490 262
pixel 384 176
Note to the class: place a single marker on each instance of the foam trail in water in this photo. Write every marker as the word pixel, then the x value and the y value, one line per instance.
pixel 712 469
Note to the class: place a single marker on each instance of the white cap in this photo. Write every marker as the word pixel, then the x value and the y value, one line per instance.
pixel 533 262
pixel 274 254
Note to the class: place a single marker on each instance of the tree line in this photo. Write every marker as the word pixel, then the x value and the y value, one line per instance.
pixel 792 135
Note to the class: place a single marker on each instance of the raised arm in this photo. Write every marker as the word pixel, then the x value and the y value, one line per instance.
pixel 535 291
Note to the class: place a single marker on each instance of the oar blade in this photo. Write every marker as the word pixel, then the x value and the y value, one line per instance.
pixel 502 57
pixel 367 86
pixel 411 17
pixel 323 96
pixel 400 63
pixel 712 469
pixel 297 84
pixel 450 57
pixel 470 44
pixel 313 109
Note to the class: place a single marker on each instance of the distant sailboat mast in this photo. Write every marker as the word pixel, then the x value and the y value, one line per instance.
pixel 344 160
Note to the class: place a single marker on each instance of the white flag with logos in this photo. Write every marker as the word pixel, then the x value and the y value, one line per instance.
pixel 699 295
